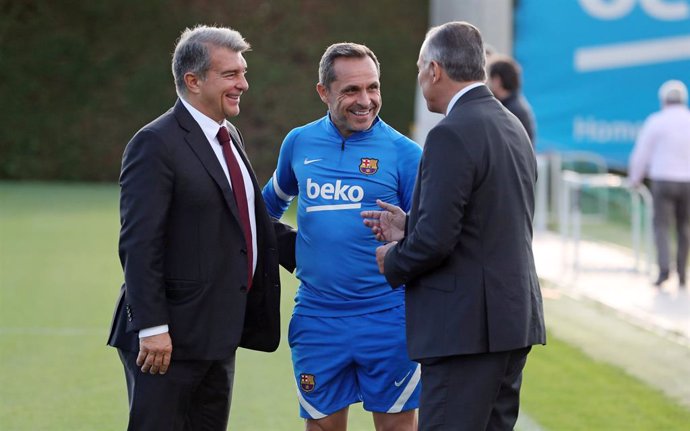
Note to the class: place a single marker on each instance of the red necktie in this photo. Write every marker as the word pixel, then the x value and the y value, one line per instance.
pixel 240 194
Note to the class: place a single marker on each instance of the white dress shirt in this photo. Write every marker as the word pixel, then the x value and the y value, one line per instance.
pixel 662 149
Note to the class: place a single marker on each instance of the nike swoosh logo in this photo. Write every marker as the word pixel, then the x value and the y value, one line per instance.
pixel 309 162
pixel 398 383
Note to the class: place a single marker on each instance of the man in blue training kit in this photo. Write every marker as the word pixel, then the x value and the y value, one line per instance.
pixel 347 332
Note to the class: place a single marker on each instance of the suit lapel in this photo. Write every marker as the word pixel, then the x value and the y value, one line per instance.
pixel 197 141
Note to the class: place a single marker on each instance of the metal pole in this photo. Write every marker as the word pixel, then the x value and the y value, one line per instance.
pixel 577 226
pixel 555 183
pixel 647 201
pixel 635 216
pixel 540 212
pixel 563 222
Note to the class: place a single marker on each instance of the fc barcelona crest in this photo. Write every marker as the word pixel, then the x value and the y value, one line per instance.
pixel 369 166
pixel 307 382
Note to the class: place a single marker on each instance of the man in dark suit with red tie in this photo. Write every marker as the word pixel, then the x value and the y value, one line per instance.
pixel 472 298
pixel 198 249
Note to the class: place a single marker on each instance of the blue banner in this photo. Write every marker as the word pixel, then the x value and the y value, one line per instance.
pixel 592 68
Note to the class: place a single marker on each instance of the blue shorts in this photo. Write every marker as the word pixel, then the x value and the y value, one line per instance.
pixel 340 361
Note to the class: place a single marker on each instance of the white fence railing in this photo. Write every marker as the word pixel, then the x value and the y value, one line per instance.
pixel 565 187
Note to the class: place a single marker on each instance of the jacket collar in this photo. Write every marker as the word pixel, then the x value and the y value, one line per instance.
pixel 460 93
pixel 475 93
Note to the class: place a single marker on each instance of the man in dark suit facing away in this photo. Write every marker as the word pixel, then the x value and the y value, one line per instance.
pixel 198 248
pixel 473 301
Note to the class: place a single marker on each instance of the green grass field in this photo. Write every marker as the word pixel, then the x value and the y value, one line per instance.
pixel 59 277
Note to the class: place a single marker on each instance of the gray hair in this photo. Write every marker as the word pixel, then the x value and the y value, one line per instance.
pixel 193 54
pixel 343 49
pixel 673 92
pixel 458 48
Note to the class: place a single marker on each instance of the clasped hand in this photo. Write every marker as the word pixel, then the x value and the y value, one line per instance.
pixel 387 226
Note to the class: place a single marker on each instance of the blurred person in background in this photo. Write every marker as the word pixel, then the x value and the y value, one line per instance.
pixel 464 253
pixel 662 153
pixel 198 249
pixel 505 81
pixel 347 332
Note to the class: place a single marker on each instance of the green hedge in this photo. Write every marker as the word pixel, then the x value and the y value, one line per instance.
pixel 79 78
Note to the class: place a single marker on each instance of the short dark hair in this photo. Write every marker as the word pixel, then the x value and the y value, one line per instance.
pixel 343 49
pixel 458 48
pixel 507 70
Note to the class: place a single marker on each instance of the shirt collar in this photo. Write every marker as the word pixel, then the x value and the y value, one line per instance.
pixel 208 125
pixel 460 93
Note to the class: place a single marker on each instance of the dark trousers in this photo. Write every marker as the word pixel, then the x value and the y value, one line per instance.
pixel 471 392
pixel 671 203
pixel 192 395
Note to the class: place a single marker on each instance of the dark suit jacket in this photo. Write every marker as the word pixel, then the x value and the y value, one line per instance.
pixel 183 251
pixel 466 260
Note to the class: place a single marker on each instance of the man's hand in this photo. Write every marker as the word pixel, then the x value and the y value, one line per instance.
pixel 154 353
pixel 387 225
pixel 381 254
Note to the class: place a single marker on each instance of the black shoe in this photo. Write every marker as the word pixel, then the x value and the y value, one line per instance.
pixel 663 276
pixel 681 281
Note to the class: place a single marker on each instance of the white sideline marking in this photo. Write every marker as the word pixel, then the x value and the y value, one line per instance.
pixel 526 423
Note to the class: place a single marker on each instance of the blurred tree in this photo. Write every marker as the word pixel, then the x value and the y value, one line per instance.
pixel 79 78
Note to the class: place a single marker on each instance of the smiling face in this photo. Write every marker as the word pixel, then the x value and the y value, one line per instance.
pixel 354 98
pixel 217 95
